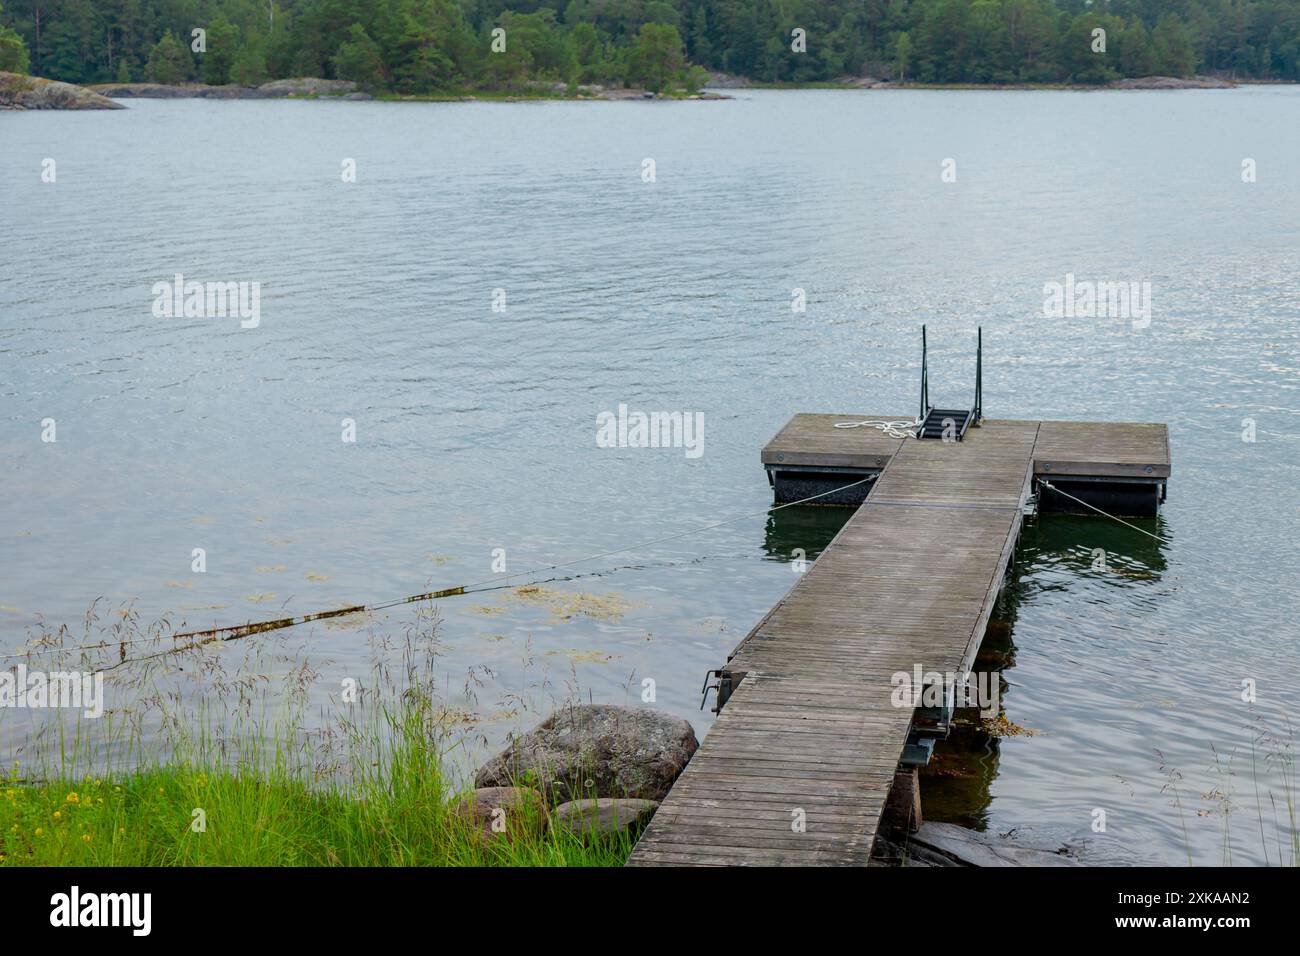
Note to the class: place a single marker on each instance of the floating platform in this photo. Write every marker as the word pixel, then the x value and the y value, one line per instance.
pixel 1120 467
pixel 807 746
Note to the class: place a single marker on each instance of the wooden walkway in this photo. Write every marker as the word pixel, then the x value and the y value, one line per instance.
pixel 809 731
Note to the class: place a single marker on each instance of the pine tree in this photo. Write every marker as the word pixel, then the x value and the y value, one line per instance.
pixel 358 59
pixel 169 62
pixel 13 51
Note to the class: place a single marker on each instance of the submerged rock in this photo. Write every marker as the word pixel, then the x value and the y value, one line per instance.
pixel 21 92
pixel 596 750
pixel 605 816
pixel 944 844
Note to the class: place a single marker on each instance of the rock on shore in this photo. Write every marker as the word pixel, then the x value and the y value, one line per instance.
pixel 605 817
pixel 1172 83
pixel 307 86
pixel 21 92
pixel 301 86
pixel 726 81
pixel 596 750
pixel 508 812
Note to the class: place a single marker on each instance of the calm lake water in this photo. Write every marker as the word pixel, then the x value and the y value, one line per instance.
pixel 476 429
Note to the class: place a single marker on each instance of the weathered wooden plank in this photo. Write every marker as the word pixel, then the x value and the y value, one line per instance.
pixel 809 439
pixel 1102 449
pixel 910 580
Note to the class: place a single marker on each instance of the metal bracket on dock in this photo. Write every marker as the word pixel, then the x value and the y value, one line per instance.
pixel 1030 508
pixel 916 753
pixel 929 724
pixel 704 692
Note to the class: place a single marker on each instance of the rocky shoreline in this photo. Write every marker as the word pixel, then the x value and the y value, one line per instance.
pixel 601 771
pixel 311 87
pixel 729 82
pixel 22 92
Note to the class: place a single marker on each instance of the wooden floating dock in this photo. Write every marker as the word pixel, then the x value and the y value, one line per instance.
pixel 806 729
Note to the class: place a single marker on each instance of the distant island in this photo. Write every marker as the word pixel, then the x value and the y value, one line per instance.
pixel 22 92
pixel 448 49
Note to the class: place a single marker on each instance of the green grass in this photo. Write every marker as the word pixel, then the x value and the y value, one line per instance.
pixel 362 784
pixel 400 812
pixel 146 819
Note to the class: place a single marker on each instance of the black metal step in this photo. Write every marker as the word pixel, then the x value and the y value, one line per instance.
pixel 933 425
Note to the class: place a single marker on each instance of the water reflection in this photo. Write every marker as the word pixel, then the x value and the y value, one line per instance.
pixel 1095 544
pixel 957 785
pixel 802 528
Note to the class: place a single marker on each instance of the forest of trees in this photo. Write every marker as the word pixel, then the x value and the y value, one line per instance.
pixel 418 46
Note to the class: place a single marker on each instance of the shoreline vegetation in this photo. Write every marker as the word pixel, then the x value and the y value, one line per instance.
pixel 23 92
pixel 247 755
pixel 261 812
pixel 645 49
pixel 507 50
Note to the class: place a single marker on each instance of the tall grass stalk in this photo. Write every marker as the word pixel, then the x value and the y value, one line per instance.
pixel 208 766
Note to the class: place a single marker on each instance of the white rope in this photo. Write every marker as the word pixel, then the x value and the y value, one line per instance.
pixel 894 429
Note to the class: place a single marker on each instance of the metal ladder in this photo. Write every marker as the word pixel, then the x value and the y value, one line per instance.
pixel 950 423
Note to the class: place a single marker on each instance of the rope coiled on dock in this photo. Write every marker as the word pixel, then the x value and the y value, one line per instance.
pixel 894 429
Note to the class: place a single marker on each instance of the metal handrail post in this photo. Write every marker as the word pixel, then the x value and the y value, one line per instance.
pixel 925 379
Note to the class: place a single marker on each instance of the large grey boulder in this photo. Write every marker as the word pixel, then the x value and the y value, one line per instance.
pixel 307 86
pixel 596 750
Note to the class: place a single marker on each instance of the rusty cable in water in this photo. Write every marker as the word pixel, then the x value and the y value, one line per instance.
pixel 234 632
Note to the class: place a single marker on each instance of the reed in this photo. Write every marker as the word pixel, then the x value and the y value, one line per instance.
pixel 214 766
